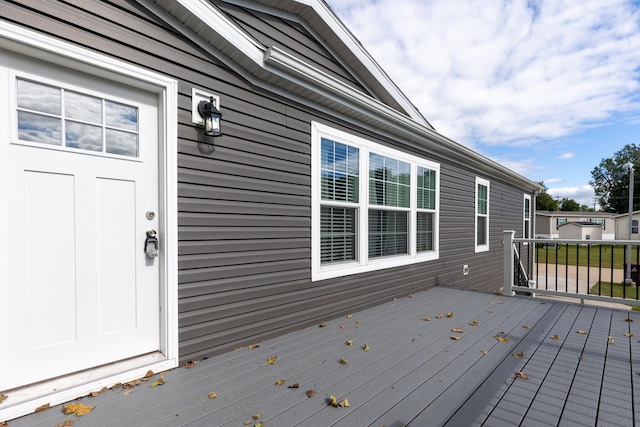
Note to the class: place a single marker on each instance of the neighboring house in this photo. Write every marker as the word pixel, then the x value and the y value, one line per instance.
pixel 548 223
pixel 580 230
pixel 622 226
pixel 327 193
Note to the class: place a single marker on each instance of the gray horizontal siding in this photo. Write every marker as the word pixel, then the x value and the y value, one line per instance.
pixel 290 36
pixel 245 202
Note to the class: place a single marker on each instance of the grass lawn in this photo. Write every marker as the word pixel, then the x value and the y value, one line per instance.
pixel 620 291
pixel 592 255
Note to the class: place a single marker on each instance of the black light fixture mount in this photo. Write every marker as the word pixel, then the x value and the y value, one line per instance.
pixel 211 116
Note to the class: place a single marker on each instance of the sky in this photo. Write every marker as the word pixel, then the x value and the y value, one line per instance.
pixel 546 88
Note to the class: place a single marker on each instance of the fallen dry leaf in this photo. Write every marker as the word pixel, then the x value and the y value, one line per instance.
pixel 349 342
pixel 333 401
pixel 455 337
pixel 212 395
pixel 439 316
pixel 489 311
pixel 258 425
pixel 449 314
pixel 365 347
pixel 131 384
pixel 343 361
pixel 526 326
pixel 65 423
pixel 628 320
pixel 500 302
pixel 256 416
pixel 502 339
pixel 311 393
pixel 344 403
pixel 555 337
pixel 348 316
pixel 253 346
pixel 580 331
pixel 342 327
pixel 280 382
pixel 94 394
pixel 491 302
pixel 157 382
pixel 628 334
pixel 426 319
pixel 127 393
pixel 611 340
pixel 484 351
pixel 357 322
pixel 474 289
pixel 3 397
pixel 474 323
pixel 322 325
pixel 295 385
pixel 270 361
pixel 457 330
pixel 148 375
pixel 522 375
pixel 77 408
pixel 247 422
pixel 42 407
pixel 189 364
pixel 411 296
pixel 519 355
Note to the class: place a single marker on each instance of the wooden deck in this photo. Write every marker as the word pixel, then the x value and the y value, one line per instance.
pixel 413 374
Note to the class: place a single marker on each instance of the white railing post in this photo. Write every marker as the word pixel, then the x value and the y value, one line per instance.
pixel 507 278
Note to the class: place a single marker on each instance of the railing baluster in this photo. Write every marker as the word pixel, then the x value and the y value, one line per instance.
pixel 588 267
pixel 566 268
pixel 612 264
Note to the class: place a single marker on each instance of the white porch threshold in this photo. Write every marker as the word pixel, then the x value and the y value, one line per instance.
pixel 24 400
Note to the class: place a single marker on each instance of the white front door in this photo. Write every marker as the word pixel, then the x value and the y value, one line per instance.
pixel 79 189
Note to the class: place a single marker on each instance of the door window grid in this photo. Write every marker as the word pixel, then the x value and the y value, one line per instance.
pixel 61 117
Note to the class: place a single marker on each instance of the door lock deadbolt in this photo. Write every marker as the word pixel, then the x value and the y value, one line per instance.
pixel 151 245
pixel 150 215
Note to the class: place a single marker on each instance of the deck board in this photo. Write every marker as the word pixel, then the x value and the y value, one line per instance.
pixel 414 373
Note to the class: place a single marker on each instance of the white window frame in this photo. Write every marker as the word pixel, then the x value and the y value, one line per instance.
pixel 362 263
pixel 485 246
pixel 526 221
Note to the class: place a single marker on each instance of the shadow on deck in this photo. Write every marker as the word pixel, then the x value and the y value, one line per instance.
pixel 581 364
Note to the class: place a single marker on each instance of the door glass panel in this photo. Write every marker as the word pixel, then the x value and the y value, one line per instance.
pixel 84 137
pixel 39 97
pixel 122 143
pixel 37 128
pixel 121 116
pixel 83 107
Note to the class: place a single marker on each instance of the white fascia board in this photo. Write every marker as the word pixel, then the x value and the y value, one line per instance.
pixel 218 22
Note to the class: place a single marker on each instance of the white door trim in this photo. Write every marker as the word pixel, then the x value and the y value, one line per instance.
pixel 31 43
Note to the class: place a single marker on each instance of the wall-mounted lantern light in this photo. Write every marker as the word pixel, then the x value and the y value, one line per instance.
pixel 211 116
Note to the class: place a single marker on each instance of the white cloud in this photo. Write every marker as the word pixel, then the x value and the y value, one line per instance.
pixel 505 73
pixel 553 180
pixel 582 194
pixel 566 156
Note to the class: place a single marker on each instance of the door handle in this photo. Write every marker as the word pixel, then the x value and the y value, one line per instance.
pixel 151 245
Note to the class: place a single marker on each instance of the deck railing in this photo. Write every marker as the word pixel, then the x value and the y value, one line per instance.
pixel 601 270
